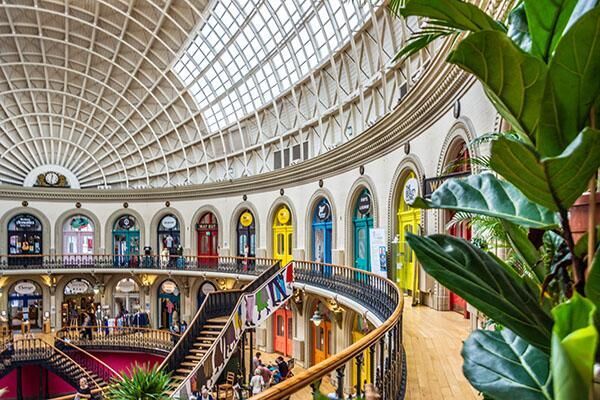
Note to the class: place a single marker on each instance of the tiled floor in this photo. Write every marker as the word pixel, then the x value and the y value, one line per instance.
pixel 433 340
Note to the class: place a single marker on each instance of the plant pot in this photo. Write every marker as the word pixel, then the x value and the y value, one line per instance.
pixel 578 215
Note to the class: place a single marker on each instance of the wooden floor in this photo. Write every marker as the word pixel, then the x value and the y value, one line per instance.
pixel 433 340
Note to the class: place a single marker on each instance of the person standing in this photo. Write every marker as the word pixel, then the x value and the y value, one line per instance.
pixel 83 391
pixel 256 361
pixel 257 382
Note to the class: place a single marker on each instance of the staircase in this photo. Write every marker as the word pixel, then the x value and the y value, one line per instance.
pixel 205 348
pixel 204 341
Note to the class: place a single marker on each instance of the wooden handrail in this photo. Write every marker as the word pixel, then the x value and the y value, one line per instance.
pixel 93 357
pixel 191 256
pixel 116 329
pixel 318 371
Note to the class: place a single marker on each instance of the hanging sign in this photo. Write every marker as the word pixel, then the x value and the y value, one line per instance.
pixel 430 185
pixel 323 211
pixel 79 222
pixel 25 287
pixel 364 203
pixel 127 222
pixel 283 215
pixel 25 222
pixel 246 218
pixel 411 190
pixel 169 222
pixel 207 288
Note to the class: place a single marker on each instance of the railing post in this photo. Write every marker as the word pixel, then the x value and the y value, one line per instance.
pixel 372 364
pixel 359 363
pixel 340 382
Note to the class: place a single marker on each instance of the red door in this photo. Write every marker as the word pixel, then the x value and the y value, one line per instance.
pixel 461 230
pixel 282 329
pixel 208 240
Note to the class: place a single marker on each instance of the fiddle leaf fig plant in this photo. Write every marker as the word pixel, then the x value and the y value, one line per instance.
pixel 540 68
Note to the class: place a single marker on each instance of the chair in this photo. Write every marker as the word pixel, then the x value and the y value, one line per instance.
pixel 227 387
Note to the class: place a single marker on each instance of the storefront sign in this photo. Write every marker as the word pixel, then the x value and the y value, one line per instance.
pixel 378 242
pixel 25 287
pixel 169 222
pixel 430 185
pixel 411 190
pixel 323 211
pixel 207 288
pixel 126 286
pixel 169 287
pixel 25 222
pixel 246 219
pixel 126 222
pixel 79 222
pixel 364 203
pixel 283 215
pixel 77 287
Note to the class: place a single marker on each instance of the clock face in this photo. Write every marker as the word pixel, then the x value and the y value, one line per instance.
pixel 51 178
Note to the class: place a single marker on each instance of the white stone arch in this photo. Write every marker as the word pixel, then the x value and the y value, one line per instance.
pixel 233 222
pixel 195 287
pixel 154 227
pixel 112 219
pixel 194 233
pixel 280 201
pixel 110 290
pixel 47 238
pixel 46 292
pixel 319 194
pixel 364 182
pixel 62 218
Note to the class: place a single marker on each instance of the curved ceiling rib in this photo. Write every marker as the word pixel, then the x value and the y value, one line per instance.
pixel 158 93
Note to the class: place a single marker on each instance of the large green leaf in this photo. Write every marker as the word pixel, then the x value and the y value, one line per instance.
pixel 549 19
pixel 525 250
pixel 514 80
pixel 518 29
pixel 478 278
pixel 455 13
pixel 503 366
pixel 485 194
pixel 574 341
pixel 572 87
pixel 592 284
pixel 553 182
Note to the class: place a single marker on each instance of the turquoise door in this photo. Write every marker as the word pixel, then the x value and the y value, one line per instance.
pixel 126 247
pixel 362 251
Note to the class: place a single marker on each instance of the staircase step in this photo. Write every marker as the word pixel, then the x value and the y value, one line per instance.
pixel 209 333
pixel 220 319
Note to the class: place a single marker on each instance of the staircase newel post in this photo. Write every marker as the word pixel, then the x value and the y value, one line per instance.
pixel 243 356
pixel 340 382
pixel 251 351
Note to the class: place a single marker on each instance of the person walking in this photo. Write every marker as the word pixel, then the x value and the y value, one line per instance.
pixel 257 383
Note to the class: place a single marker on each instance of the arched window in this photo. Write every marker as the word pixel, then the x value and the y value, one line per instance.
pixel 208 239
pixel 126 241
pixel 409 219
pixel 283 231
pixel 24 239
pixel 127 297
pixel 169 304
pixel 78 297
pixel 78 235
pixel 246 234
pixel 169 234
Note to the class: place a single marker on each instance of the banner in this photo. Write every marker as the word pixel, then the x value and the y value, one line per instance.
pixel 378 242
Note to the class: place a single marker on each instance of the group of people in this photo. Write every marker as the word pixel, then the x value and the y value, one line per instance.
pixel 265 376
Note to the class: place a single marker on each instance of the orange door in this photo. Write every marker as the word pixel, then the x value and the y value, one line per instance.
pixel 282 328
pixel 323 341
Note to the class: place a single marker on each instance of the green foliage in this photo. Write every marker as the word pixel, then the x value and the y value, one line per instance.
pixel 504 366
pixel 573 335
pixel 541 73
pixel 485 194
pixel 143 383
pixel 485 283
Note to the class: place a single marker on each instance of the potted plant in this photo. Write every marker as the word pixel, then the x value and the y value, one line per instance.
pixel 541 71
pixel 142 383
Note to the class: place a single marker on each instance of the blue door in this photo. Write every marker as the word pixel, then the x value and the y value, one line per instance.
pixel 363 221
pixel 322 226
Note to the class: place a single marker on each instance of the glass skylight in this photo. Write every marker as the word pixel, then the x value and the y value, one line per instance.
pixel 246 53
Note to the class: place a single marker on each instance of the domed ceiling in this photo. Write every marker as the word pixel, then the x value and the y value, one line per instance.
pixel 159 93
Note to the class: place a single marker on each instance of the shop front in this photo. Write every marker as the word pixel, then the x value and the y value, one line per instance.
pixel 208 239
pixel 169 305
pixel 78 298
pixel 25 303
pixel 283 330
pixel 246 235
pixel 126 241
pixel 127 297
pixel 24 240
pixel 360 329
pixel 321 232
pixel 283 231
pixel 322 334
pixel 408 222
pixel 169 239
pixel 363 222
pixel 78 236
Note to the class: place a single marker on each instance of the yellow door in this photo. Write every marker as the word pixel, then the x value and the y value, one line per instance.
pixel 282 236
pixel 408 222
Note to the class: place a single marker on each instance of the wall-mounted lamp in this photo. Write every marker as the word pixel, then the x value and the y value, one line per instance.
pixel 317 318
